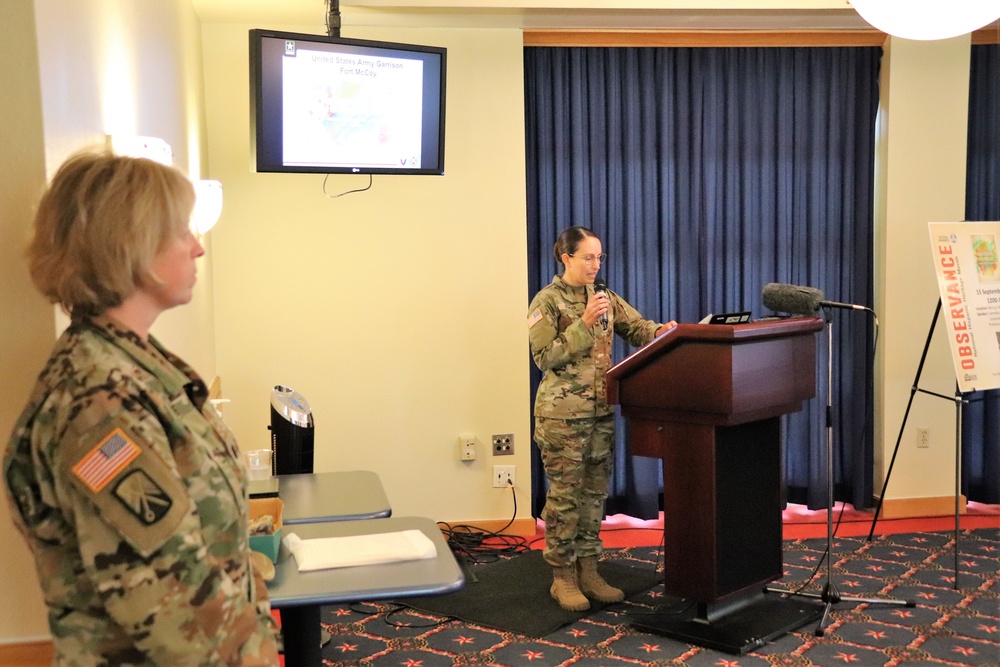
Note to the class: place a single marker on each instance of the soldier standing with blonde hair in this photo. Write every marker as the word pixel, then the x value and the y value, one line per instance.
pixel 128 488
pixel 574 425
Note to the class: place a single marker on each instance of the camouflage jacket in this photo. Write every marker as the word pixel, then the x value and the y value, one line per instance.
pixel 131 494
pixel 574 357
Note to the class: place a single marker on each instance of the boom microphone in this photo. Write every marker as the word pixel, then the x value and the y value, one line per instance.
pixel 791 299
pixel 799 300
pixel 600 287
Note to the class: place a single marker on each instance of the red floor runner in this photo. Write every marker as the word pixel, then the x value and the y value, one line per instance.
pixel 623 531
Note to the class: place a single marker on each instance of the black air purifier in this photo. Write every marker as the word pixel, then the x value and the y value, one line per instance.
pixel 291 432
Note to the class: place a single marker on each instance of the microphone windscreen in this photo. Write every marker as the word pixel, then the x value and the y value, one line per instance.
pixel 791 299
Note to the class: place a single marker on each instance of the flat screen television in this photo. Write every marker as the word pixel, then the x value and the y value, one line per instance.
pixel 331 105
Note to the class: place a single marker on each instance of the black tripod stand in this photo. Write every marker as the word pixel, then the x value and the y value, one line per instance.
pixel 959 402
pixel 830 595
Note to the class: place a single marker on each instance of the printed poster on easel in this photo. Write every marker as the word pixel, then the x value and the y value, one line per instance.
pixel 968 273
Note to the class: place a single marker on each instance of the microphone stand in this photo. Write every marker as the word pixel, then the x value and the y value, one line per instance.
pixel 830 595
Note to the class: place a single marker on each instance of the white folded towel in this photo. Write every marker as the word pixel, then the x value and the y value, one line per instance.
pixel 328 552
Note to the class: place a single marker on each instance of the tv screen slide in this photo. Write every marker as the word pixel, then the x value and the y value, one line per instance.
pixel 333 105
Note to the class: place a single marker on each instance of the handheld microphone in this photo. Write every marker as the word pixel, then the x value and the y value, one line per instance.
pixel 601 286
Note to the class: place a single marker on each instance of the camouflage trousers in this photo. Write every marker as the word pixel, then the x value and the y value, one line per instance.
pixel 577 456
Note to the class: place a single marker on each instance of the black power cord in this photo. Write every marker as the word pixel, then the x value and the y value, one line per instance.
pixel 329 196
pixel 472 544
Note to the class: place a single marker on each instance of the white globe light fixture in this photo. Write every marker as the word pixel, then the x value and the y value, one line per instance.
pixel 151 148
pixel 207 205
pixel 927 19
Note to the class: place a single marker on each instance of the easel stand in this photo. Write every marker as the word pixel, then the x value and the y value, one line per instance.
pixel 830 595
pixel 959 400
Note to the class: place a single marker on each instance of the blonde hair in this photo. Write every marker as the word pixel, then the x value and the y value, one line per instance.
pixel 100 225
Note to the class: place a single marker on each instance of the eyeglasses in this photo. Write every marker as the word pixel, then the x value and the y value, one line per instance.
pixel 590 259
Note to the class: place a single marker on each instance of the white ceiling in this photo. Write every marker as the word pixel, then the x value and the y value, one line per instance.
pixel 545 14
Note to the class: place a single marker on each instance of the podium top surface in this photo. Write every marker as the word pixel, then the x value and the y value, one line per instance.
pixel 720 374
pixel 723 334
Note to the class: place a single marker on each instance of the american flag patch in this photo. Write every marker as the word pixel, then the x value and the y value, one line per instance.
pixel 106 460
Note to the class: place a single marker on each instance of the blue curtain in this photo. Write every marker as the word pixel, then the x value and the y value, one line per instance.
pixel 709 172
pixel 981 417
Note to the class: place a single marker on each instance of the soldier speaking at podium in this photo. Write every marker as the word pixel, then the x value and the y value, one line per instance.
pixel 571 323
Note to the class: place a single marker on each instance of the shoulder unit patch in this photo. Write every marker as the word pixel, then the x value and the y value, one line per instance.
pixel 143 497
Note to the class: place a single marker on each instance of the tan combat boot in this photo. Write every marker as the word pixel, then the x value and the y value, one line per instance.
pixel 565 591
pixel 592 584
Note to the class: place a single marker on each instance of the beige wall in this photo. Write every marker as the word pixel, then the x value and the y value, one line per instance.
pixel 398 312
pixel 26 322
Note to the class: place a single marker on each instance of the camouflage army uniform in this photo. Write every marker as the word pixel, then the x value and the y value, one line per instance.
pixel 574 425
pixel 132 496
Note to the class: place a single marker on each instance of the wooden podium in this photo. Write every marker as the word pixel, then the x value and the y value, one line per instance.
pixel 707 399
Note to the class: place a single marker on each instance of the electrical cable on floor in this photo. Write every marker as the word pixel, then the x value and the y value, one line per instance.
pixel 372 610
pixel 359 608
pixel 658 529
pixel 819 564
pixel 402 607
pixel 471 544
pixel 869 417
pixel 677 608
pixel 674 609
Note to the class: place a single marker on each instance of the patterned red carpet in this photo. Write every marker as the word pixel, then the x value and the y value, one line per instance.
pixel 946 627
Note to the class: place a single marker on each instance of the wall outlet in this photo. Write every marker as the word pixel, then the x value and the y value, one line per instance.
pixel 923 438
pixel 503 444
pixel 503 476
pixel 466 447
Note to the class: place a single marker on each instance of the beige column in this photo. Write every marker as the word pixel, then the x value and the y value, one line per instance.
pixel 920 178
pixel 27 323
